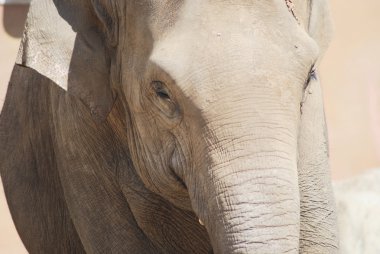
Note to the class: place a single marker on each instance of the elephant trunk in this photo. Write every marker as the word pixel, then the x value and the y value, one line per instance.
pixel 251 204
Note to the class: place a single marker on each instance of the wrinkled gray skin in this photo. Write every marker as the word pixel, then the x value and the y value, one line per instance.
pixel 127 121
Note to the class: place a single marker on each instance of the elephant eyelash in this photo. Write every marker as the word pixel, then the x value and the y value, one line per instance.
pixel 163 95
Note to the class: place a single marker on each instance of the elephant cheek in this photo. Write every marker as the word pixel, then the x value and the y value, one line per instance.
pixel 156 162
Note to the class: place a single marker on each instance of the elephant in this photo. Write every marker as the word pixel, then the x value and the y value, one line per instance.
pixel 186 126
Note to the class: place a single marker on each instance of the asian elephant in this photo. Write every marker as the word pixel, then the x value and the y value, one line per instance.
pixel 169 126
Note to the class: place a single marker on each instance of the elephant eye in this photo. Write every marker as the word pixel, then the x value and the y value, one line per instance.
pixel 163 95
pixel 163 100
pixel 311 76
pixel 160 90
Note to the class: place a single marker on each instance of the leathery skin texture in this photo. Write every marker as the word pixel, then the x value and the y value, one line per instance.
pixel 169 127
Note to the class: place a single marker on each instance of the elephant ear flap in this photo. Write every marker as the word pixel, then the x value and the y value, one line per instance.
pixel 320 24
pixel 70 42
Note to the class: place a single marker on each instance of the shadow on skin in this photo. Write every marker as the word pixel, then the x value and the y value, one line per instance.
pixel 14 17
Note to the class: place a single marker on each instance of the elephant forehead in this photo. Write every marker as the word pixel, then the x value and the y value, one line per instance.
pixel 231 46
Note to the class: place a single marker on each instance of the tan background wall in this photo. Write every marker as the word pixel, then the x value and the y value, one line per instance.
pixel 350 76
pixel 11 26
pixel 351 82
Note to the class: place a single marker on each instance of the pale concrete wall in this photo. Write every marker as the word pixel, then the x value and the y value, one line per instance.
pixel 350 75
pixel 11 25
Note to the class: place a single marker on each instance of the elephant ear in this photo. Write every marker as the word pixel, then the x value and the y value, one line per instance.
pixel 314 16
pixel 69 42
pixel 320 24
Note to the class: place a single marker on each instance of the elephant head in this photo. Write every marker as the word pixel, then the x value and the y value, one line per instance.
pixel 220 104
